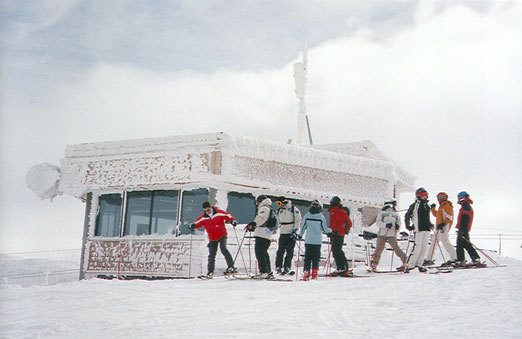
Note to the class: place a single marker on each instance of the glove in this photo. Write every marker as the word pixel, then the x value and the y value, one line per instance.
pixel 440 226
pixel 328 235
pixel 234 223
pixel 397 227
pixel 294 236
pixel 299 236
pixel 432 226
pixel 192 226
pixel 433 205
pixel 459 234
pixel 410 227
pixel 389 225
pixel 251 227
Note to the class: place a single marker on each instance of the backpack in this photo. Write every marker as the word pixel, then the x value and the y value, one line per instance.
pixel 272 223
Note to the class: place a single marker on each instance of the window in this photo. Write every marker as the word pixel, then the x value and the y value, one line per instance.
pixel 164 212
pixel 109 215
pixel 191 207
pixel 151 212
pixel 242 206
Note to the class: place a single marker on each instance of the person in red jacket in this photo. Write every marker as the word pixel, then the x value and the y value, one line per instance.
pixel 213 219
pixel 464 222
pixel 340 224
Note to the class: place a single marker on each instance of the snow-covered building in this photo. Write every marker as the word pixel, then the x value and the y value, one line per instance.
pixel 141 195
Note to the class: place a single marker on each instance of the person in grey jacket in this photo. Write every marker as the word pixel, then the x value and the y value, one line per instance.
pixel 263 236
pixel 289 221
pixel 314 224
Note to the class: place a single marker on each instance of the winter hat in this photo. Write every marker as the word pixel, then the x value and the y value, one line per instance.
pixel 206 204
pixel 261 198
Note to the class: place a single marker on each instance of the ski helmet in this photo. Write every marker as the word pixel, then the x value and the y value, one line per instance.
pixel 421 193
pixel 462 196
pixel 281 201
pixel 336 201
pixel 442 196
pixel 261 198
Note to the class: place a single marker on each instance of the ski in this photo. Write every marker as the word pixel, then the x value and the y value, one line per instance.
pixel 343 276
pixel 377 271
pixel 235 277
pixel 440 271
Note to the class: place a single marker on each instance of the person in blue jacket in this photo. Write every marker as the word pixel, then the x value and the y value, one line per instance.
pixel 314 224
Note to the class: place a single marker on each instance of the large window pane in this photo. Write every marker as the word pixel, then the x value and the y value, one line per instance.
pixel 164 212
pixel 109 215
pixel 191 207
pixel 137 218
pixel 242 206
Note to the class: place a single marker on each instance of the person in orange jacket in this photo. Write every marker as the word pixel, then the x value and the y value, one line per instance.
pixel 340 224
pixel 443 221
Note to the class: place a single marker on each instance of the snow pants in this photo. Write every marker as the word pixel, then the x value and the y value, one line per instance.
pixel 312 256
pixel 420 247
pixel 262 256
pixel 212 250
pixel 285 244
pixel 463 243
pixel 381 244
pixel 337 242
pixel 443 237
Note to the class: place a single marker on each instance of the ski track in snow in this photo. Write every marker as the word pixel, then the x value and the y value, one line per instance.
pixel 481 303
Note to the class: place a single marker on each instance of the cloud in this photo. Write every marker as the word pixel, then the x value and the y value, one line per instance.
pixel 440 95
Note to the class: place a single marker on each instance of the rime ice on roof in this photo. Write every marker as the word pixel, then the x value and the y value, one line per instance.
pixel 357 172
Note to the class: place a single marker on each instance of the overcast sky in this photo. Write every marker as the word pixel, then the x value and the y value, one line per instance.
pixel 435 85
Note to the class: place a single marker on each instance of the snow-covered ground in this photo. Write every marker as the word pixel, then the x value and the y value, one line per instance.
pixel 479 303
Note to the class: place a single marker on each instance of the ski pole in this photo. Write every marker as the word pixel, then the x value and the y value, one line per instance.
pixel 408 247
pixel 393 248
pixel 481 251
pixel 241 244
pixel 239 250
pixel 327 259
pixel 436 240
pixel 190 254
pixel 298 257
pixel 442 254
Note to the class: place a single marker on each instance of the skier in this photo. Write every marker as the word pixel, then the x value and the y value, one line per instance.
pixel 314 224
pixel 418 214
pixel 389 223
pixel 444 220
pixel 263 237
pixel 464 221
pixel 213 219
pixel 289 220
pixel 340 224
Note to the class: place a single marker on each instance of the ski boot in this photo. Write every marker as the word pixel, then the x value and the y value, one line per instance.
pixel 285 271
pixel 402 268
pixel 428 262
pixel 346 273
pixel 306 275
pixel 477 263
pixel 315 273
pixel 230 270
pixel 449 263
pixel 373 268
pixel 279 270
pixel 422 269
pixel 269 276
pixel 209 275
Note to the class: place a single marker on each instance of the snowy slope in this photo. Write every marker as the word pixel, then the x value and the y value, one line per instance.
pixel 481 303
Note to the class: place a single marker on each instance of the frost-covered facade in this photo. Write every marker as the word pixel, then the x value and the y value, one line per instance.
pixel 141 195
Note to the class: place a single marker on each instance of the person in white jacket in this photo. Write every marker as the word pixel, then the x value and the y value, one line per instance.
pixel 289 218
pixel 263 236
pixel 389 223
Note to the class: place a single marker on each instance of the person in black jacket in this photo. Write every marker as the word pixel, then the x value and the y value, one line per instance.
pixel 417 219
